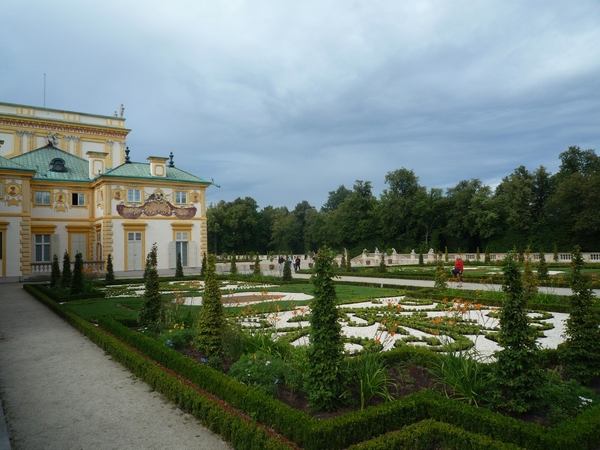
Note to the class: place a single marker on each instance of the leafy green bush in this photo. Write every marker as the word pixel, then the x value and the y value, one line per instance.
pixel 287 270
pixel 260 370
pixel 564 399
pixel 176 337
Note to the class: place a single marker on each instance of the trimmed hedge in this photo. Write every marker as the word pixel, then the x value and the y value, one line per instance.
pixel 428 435
pixel 400 424
pixel 68 298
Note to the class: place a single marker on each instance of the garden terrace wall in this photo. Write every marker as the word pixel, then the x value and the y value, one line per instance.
pixel 583 432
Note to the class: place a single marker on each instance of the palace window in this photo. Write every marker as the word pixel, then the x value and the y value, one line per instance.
pixel 134 196
pixel 77 199
pixel 42 248
pixel 42 197
pixel 180 197
pixel 181 246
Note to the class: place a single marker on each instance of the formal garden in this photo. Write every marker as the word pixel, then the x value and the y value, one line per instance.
pixel 276 362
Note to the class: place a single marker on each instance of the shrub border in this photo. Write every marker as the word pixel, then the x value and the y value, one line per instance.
pixel 582 432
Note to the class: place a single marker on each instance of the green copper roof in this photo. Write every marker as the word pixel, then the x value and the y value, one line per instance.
pixel 6 163
pixel 76 168
pixel 142 170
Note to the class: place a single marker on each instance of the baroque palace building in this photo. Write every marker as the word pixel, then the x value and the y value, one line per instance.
pixel 67 184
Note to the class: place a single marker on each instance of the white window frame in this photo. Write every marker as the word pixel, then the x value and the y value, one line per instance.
pixel 42 198
pixel 181 197
pixel 182 246
pixel 77 199
pixel 134 195
pixel 43 248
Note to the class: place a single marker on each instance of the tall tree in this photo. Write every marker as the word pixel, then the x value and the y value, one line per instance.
pixel 469 213
pixel 517 376
pixel 429 213
pixel 314 230
pixel 67 274
pixel 398 219
pixel 77 285
pixel 325 382
pixel 336 198
pixel 211 318
pixel 110 273
pixel 234 226
pixel 582 347
pixel 285 232
pixel 55 272
pixel 151 311
pixel 354 217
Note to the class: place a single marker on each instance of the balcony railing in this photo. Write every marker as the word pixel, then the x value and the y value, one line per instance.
pixel 45 268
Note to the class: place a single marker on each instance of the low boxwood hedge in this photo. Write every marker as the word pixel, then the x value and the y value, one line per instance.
pixel 429 435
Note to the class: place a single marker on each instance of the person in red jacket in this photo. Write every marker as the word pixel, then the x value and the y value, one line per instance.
pixel 458 270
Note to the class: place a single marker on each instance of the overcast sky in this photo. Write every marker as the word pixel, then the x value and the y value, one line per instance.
pixel 284 101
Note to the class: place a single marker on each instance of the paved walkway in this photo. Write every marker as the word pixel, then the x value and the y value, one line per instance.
pixel 60 391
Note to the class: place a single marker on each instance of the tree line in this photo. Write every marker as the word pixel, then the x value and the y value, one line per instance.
pixel 535 209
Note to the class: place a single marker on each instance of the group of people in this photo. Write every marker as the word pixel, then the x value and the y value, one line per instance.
pixel 293 262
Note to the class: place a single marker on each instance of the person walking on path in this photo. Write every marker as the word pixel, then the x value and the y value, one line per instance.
pixel 458 270
pixel 61 392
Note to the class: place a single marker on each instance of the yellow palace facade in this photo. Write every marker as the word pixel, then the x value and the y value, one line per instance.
pixel 68 184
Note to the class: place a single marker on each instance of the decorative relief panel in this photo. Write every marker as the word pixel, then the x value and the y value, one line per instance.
pixel 156 204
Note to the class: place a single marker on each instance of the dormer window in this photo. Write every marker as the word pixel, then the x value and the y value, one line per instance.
pixel 57 165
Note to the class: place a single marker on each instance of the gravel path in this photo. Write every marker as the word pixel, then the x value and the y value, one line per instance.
pixel 60 391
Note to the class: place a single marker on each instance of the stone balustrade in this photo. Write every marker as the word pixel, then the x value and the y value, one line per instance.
pixel 45 268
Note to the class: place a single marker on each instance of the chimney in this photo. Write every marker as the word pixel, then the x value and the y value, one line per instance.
pixel 158 166
pixel 97 163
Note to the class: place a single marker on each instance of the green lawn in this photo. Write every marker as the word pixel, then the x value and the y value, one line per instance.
pixel 128 307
